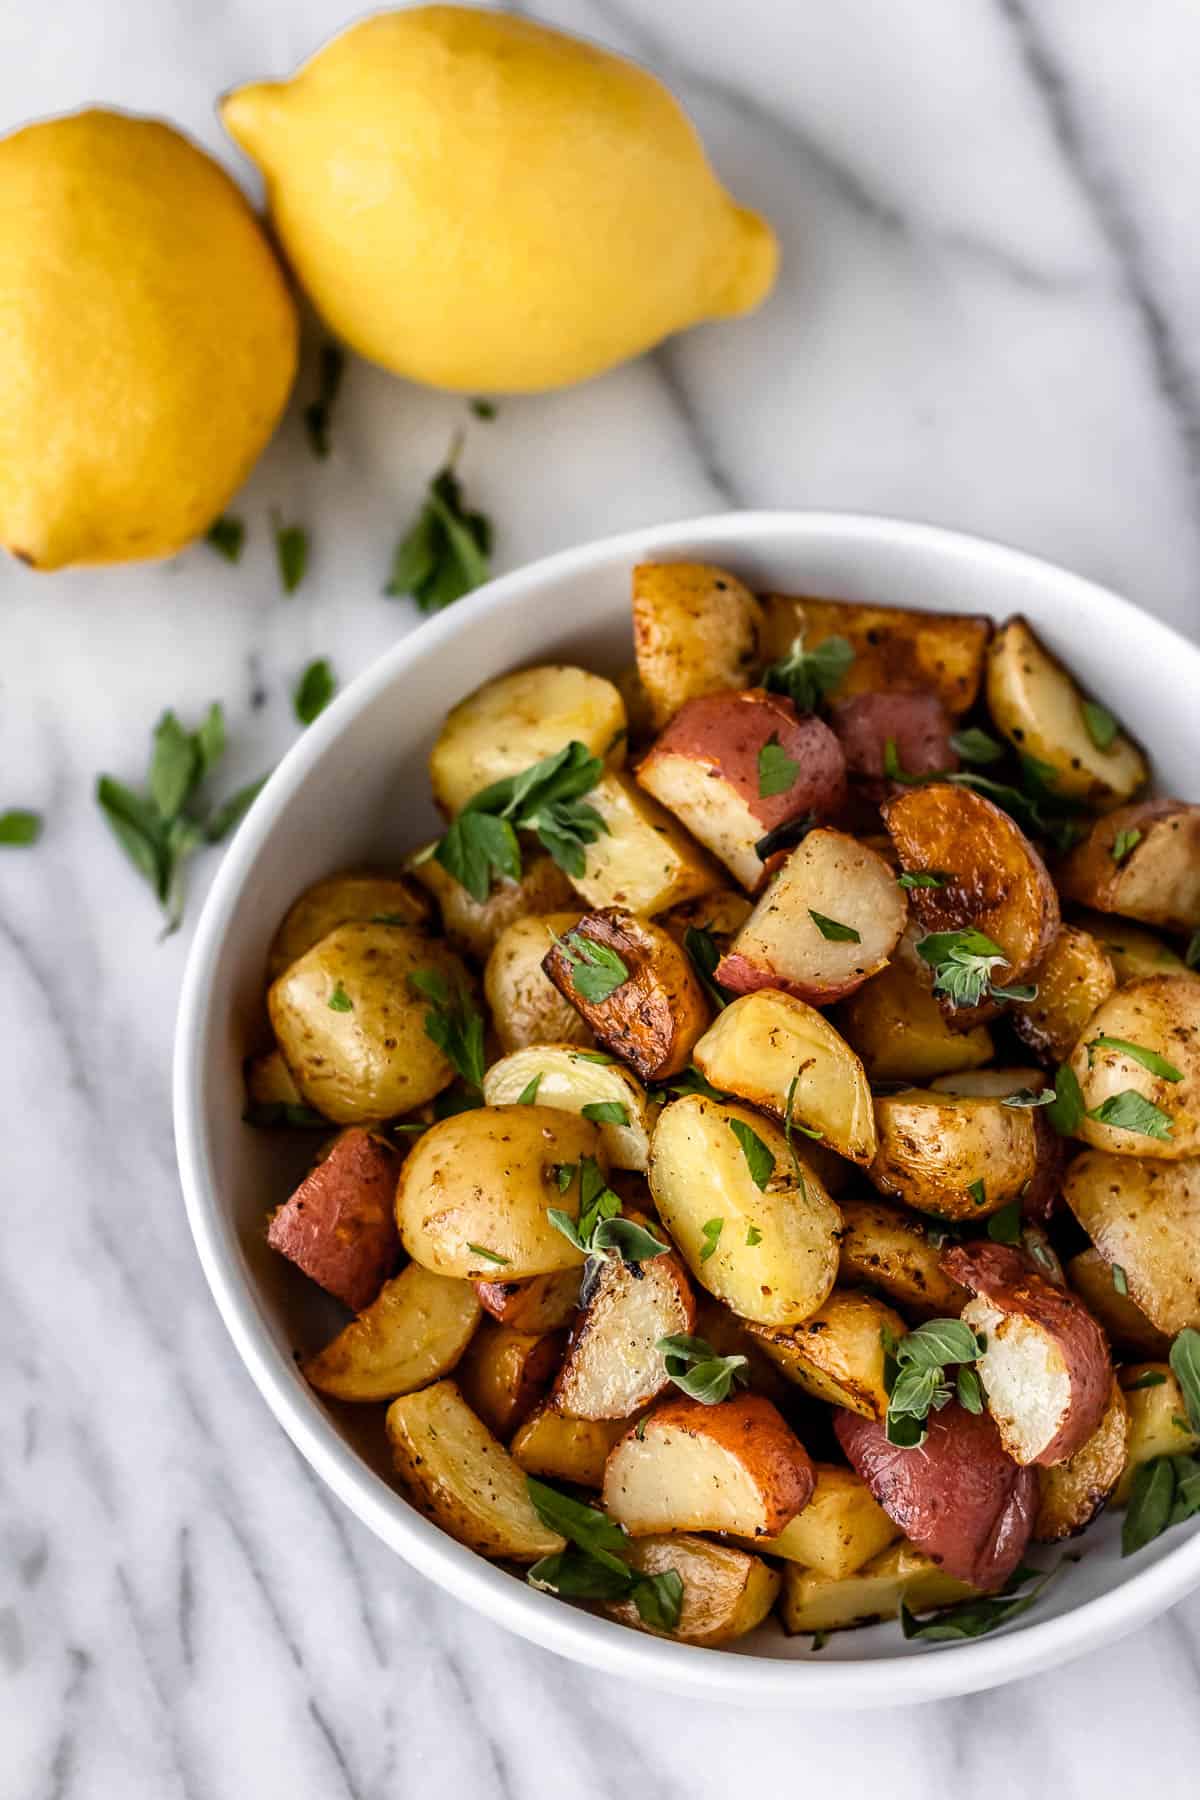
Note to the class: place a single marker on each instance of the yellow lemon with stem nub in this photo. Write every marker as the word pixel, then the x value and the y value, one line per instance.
pixel 481 203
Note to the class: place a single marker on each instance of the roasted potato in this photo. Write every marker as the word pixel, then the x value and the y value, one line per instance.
pixel 990 1084
pixel 351 896
pixel 721 914
pixel 839 1530
pixel 960 1497
pixel 695 631
pixel 474 1191
pixel 454 1471
pixel 1126 1325
pixel 1158 1420
pixel 956 1157
pixel 770 1253
pixel 1144 1219
pixel 735 766
pixel 1132 950
pixel 915 723
pixel 657 1010
pixel 726 1592
pixel 759 1045
pixel 730 1336
pixel 1076 977
pixel 1073 1492
pixel 338 1225
pixel 505 1374
pixel 1046 1371
pixel 643 859
pixel 1142 861
pixel 352 1026
pixel 887 1248
pixel 561 1449
pixel 509 724
pixel 1158 1017
pixel 1040 710
pixel 526 1007
pixel 641 725
pixel 813 1602
pixel 894 1024
pixel 942 653
pixel 584 1082
pixel 735 1467
pixel 415 1329
pixel 269 1081
pixel 544 1303
pixel 473 926
pixel 613 1366
pixel 839 1354
pixel 829 919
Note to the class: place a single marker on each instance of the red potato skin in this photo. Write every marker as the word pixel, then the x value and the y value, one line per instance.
pixel 1003 1277
pixel 750 1427
pixel 340 1224
pixel 916 722
pixel 960 1497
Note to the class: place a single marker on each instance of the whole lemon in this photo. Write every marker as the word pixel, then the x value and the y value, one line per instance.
pixel 481 203
pixel 148 340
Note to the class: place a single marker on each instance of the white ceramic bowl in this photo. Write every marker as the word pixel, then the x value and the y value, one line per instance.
pixel 354 789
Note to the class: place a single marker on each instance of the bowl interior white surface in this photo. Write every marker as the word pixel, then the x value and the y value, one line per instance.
pixel 354 790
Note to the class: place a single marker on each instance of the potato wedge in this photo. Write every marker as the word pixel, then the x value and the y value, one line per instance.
pixel 454 1471
pixel 733 767
pixel 839 1530
pixel 721 914
pixel 505 1374
pixel 509 724
pixel 474 1191
pixel 352 1027
pixel 1126 1325
pixel 544 1303
pixel 900 1033
pixel 893 648
pixel 1158 1420
pixel 726 1592
pixel 526 1007
pixel 950 1155
pixel 1132 950
pixel 613 1367
pixel 1040 709
pixel 1142 861
pixel 813 1602
pixel 735 1467
pixel 588 1083
pixel 338 1225
pixel 1076 977
pixel 1046 1370
pixel 561 1449
pixel 644 859
pixel 796 937
pixel 838 1354
pixel 658 1009
pixel 1073 1492
pixel 472 926
pixel 695 631
pixel 416 1329
pixel 1159 1016
pixel 771 1253
pixel 351 896
pixel 1144 1219
pixel 269 1081
pixel 886 1248
pixel 763 1042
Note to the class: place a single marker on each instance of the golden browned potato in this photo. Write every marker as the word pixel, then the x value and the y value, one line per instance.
pixel 726 1592
pixel 415 1329
pixel 1158 1017
pixel 587 1082
pixel 840 1353
pixel 561 1449
pixel 454 1471
pixel 505 1374
pixel 526 1007
pixel 473 926
pixel 474 1191
pixel 509 724
pixel 544 1303
pixel 695 631
pixel 613 1366
pixel 721 914
pixel 656 1010
pixel 353 895
pixel 1076 976
pixel 352 1027
pixel 768 1252
pixel 735 1467
pixel 269 1081
pixel 893 649
pixel 815 1602
pixel 829 919
pixel 1127 1326
pixel 947 1154
pixel 1073 1492
pixel 1132 950
pixel 1040 709
pixel 1158 1420
pixel 644 859
pixel 1142 861
pixel 899 1031
pixel 1144 1219
pixel 887 1248
pixel 840 1529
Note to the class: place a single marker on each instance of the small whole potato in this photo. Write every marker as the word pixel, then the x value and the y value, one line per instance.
pixel 335 900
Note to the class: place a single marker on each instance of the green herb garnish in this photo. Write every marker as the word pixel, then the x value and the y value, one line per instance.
pixel 291 553
pixel 920 1361
pixel 963 962
pixel 704 956
pixel 605 1112
pixel 976 746
pixel 453 1023
pixel 18 826
pixel 1004 1226
pixel 1149 1059
pixel 753 1237
pixel 924 878
pixel 547 799
pixel 695 1367
pixel 529 1093
pixel 483 409
pixel 1124 844
pixel 834 930
pixel 491 1256
pixel 1131 1111
pixel 808 676
pixel 596 1569
pixel 339 1000
pixel 599 1231
pixel 226 536
pixel 596 969
pixel 975 1618
pixel 711 1231
pixel 444 553
pixel 1185 1365
pixel 314 690
pixel 319 412
pixel 776 770
pixel 1102 728
pixel 759 1160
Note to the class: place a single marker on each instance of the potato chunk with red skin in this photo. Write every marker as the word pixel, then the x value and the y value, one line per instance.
pixel 916 723
pixel 339 1225
pixel 1046 1372
pixel 542 1303
pixel 960 1497
pixel 705 768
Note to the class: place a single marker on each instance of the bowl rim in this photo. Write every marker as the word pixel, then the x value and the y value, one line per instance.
pixel 582 1637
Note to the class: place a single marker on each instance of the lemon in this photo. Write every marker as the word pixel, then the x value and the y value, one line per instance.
pixel 483 204
pixel 147 340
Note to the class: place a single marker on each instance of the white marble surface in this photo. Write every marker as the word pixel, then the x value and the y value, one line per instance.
pixel 989 316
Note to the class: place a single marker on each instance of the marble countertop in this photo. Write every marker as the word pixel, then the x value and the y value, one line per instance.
pixel 989 316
